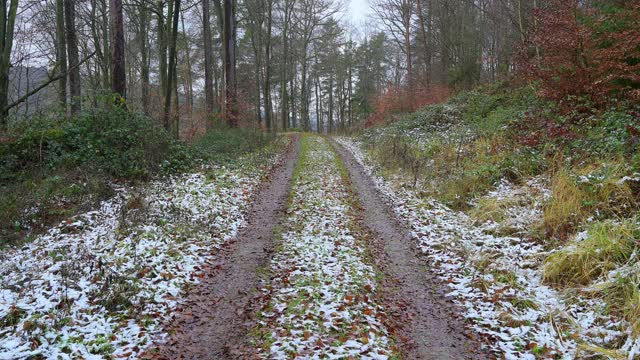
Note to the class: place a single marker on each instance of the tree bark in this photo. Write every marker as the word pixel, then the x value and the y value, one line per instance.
pixel 144 52
pixel 162 46
pixel 172 65
pixel 61 54
pixel 8 20
pixel 208 58
pixel 284 96
pixel 230 100
pixel 268 107
pixel 118 75
pixel 425 44
pixel 72 55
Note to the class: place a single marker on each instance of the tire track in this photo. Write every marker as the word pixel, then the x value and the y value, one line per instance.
pixel 215 317
pixel 429 326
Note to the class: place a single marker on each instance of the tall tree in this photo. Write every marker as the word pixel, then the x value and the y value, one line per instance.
pixel 118 75
pixel 229 45
pixel 61 55
pixel 172 66
pixel 266 87
pixel 7 27
pixel 73 56
pixel 208 57
pixel 143 38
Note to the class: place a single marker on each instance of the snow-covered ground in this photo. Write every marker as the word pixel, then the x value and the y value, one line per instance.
pixel 101 284
pixel 497 279
pixel 320 302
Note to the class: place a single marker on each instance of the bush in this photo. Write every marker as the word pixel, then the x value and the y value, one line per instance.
pixel 587 51
pixel 112 141
pixel 223 144
pixel 50 169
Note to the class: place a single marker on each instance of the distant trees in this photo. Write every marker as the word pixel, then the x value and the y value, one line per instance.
pixel 289 63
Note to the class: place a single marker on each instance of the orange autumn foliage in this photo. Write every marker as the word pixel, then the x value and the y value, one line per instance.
pixel 396 101
pixel 581 51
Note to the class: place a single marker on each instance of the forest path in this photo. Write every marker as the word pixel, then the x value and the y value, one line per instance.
pixel 315 223
pixel 427 323
pixel 214 318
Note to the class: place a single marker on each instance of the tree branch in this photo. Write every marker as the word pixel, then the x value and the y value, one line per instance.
pixel 45 84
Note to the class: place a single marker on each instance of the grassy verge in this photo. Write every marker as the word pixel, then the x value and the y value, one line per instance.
pixel 458 151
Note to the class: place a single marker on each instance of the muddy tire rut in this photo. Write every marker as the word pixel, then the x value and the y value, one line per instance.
pixel 213 320
pixel 428 325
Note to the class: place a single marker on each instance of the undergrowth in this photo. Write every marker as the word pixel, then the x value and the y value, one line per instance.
pixel 51 169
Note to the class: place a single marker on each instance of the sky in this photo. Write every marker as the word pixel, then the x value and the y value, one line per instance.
pixel 357 12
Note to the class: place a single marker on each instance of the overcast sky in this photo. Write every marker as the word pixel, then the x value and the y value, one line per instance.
pixel 357 13
pixel 358 10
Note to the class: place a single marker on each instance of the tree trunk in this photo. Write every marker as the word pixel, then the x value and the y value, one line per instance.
pixel 230 106
pixel 284 97
pixel 304 93
pixel 61 54
pixel 144 51
pixel 118 75
pixel 268 107
pixel 318 110
pixel 7 18
pixel 105 63
pixel 331 102
pixel 189 75
pixel 407 45
pixel 350 92
pixel 208 58
pixel 72 55
pixel 425 44
pixel 172 66
pixel 162 46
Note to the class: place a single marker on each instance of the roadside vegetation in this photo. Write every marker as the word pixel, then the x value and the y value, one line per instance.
pixel 577 174
pixel 53 168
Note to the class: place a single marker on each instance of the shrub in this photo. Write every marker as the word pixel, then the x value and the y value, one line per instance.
pixel 224 144
pixel 586 51
pixel 398 101
pixel 113 141
pixel 51 169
